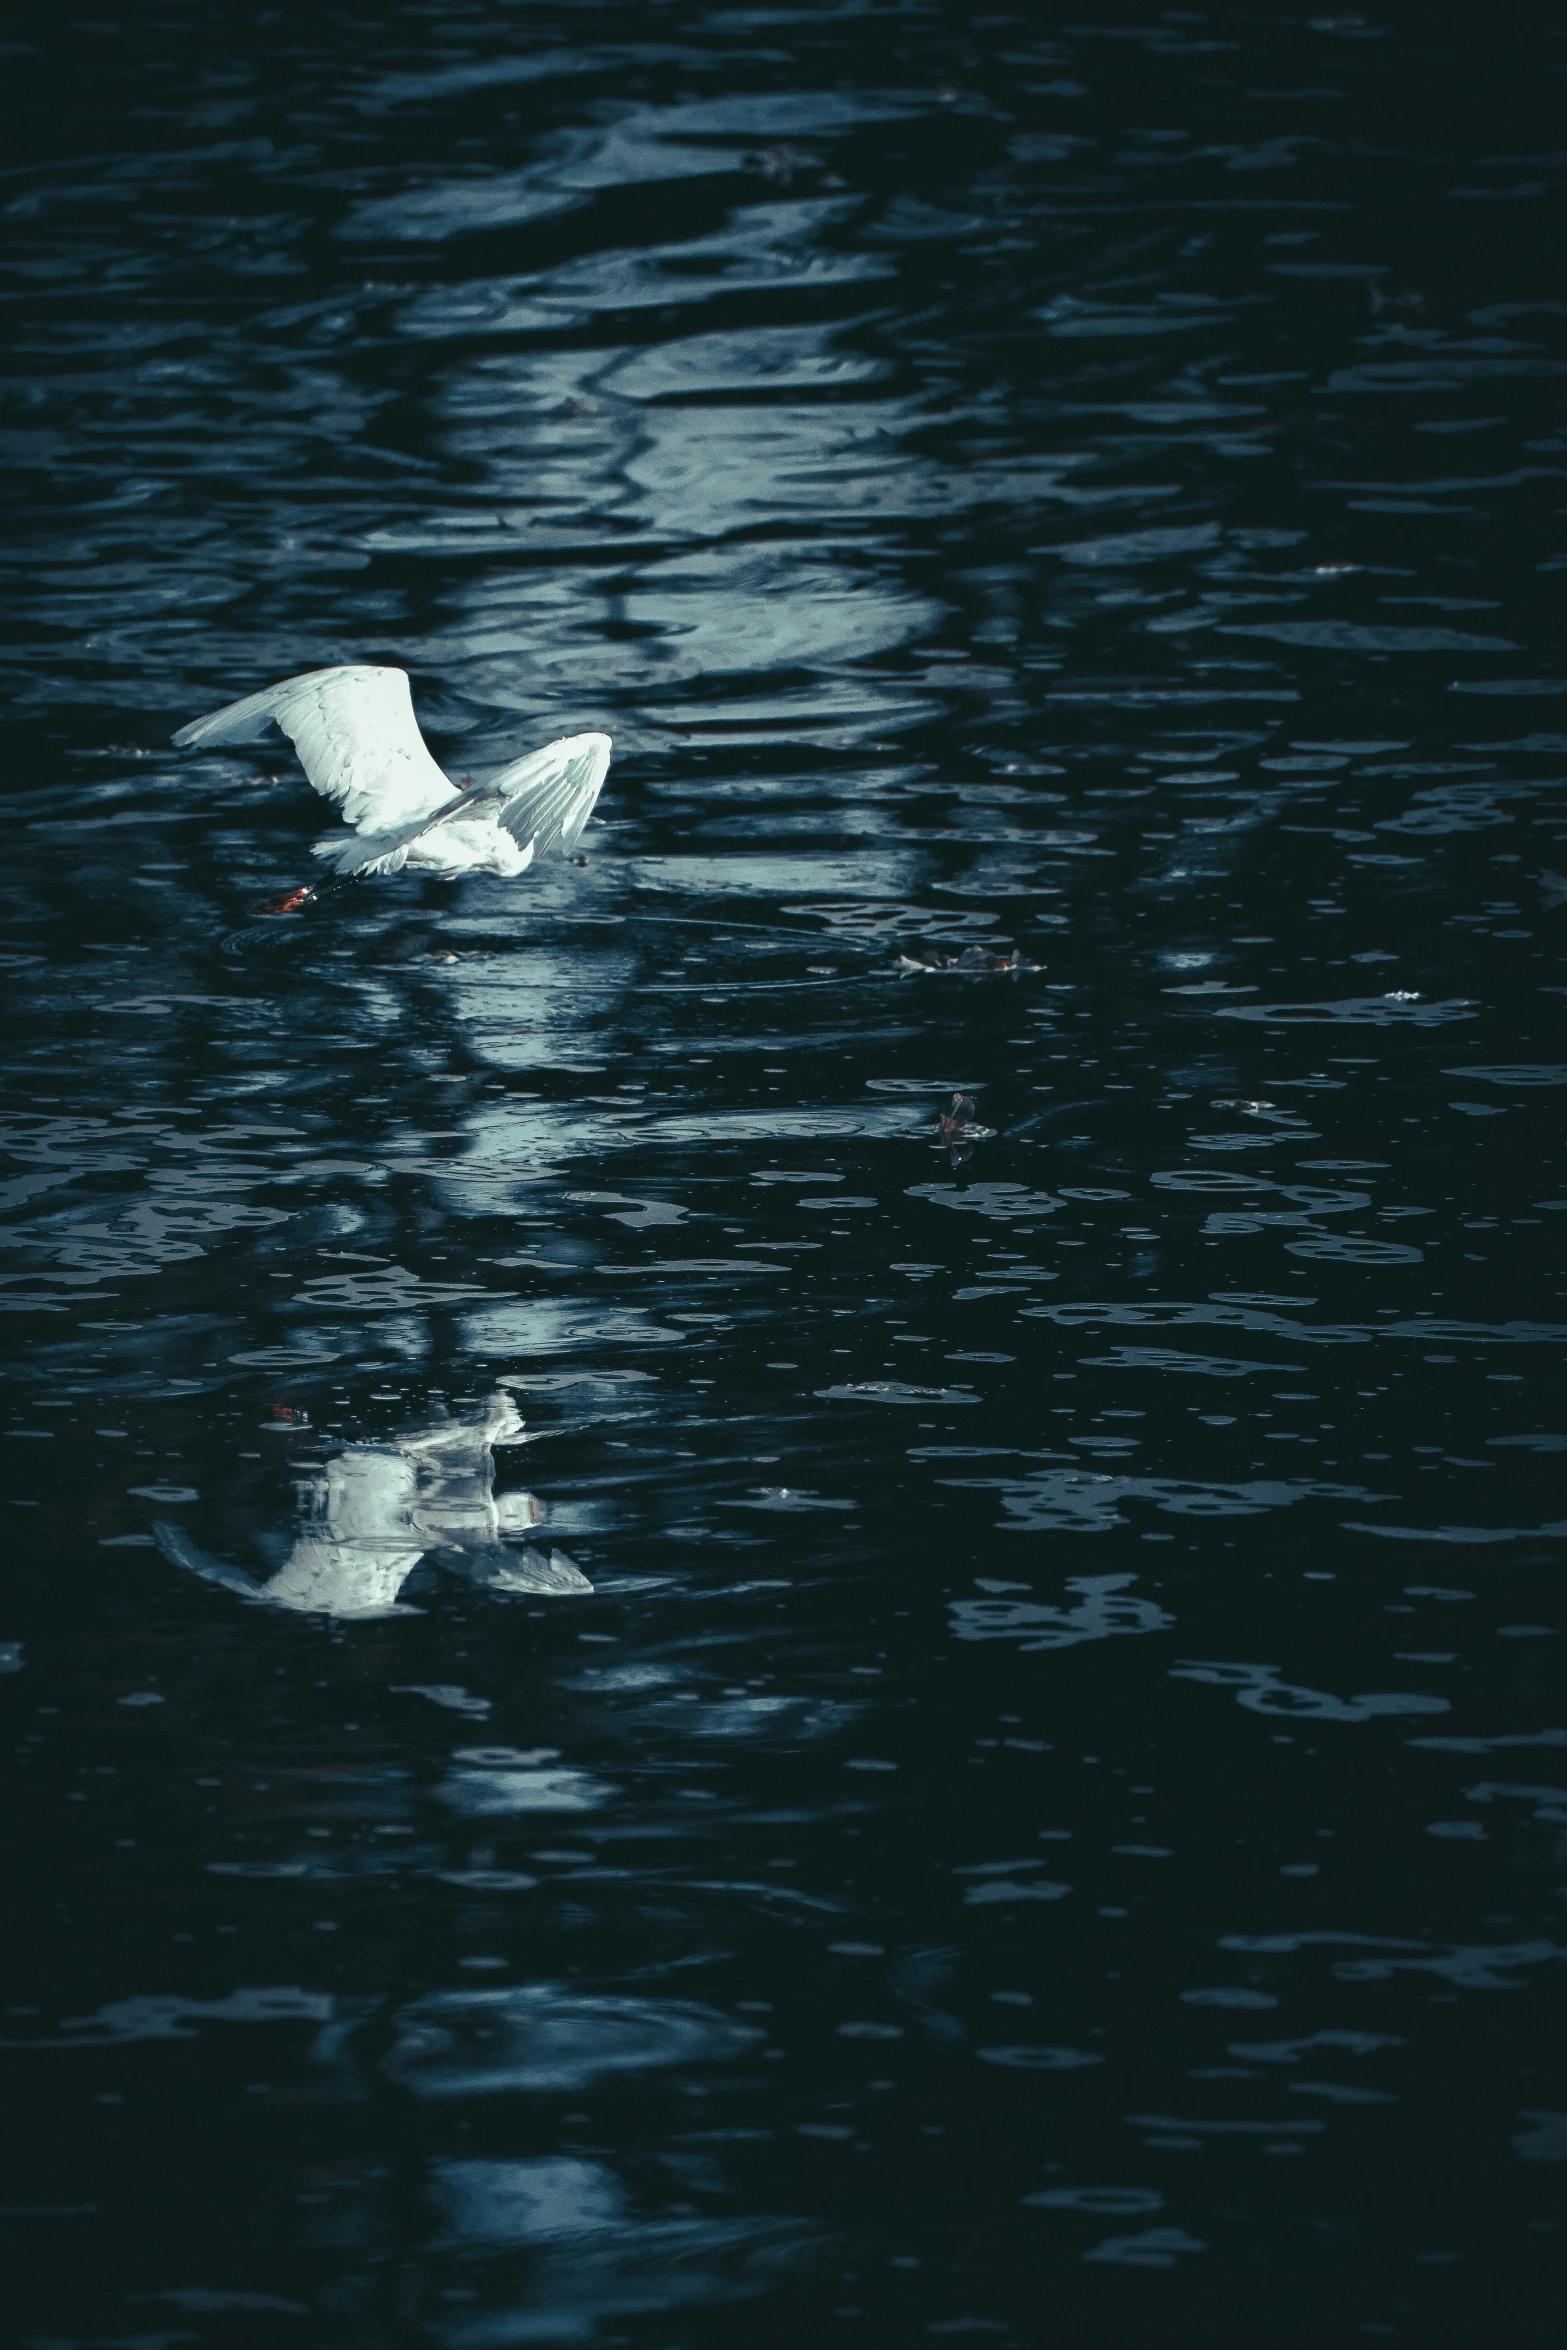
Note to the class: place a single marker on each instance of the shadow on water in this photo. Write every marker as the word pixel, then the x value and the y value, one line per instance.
pixel 1068 1843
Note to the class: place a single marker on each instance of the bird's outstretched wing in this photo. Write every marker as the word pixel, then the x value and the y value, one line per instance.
pixel 549 796
pixel 357 738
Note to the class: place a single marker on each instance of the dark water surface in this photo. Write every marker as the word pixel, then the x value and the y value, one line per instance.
pixel 996 1765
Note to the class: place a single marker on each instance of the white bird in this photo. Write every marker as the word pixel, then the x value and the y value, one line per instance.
pixel 359 743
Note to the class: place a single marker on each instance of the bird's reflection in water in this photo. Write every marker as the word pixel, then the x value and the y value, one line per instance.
pixel 371 1513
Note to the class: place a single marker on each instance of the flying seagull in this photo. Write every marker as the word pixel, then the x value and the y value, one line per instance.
pixel 359 743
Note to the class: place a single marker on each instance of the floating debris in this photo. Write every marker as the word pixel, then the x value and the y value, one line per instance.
pixel 958 1129
pixel 972 960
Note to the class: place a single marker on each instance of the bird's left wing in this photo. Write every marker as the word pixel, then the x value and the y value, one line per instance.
pixel 550 795
pixel 357 738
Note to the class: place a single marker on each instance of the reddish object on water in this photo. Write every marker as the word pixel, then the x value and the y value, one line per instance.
pixel 291 903
pixel 956 1121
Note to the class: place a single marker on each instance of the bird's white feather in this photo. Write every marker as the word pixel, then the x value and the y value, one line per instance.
pixel 550 795
pixel 357 738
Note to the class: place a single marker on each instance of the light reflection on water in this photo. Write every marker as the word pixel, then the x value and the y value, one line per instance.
pixel 975 1616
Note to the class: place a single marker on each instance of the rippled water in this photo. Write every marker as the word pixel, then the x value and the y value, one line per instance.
pixel 1088 494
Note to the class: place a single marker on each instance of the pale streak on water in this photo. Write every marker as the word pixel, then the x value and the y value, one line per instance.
pixel 1033 1859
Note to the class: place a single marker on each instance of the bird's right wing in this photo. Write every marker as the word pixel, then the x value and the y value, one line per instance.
pixel 550 795
pixel 357 738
